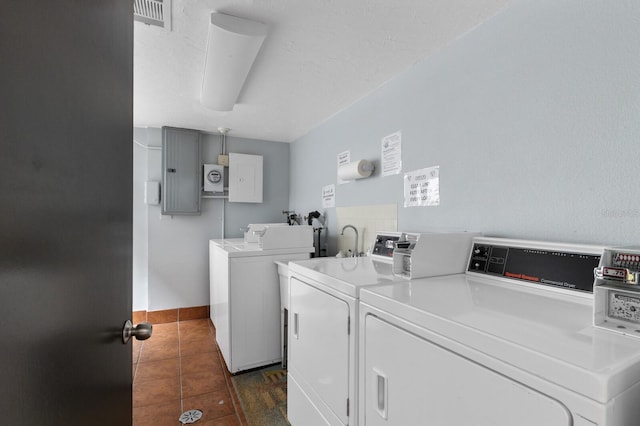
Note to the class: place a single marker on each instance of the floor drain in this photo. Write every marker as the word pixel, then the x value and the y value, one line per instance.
pixel 190 416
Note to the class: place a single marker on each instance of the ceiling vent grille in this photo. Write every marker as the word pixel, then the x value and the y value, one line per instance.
pixel 153 12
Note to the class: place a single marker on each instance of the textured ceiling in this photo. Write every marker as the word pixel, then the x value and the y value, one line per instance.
pixel 319 57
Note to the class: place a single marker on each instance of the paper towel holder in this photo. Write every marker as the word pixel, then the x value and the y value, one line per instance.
pixel 355 170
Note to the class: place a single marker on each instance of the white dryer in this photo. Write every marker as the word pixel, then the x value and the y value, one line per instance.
pixel 510 342
pixel 323 323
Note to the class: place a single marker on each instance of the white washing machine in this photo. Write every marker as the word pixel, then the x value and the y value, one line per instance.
pixel 245 296
pixel 510 342
pixel 323 323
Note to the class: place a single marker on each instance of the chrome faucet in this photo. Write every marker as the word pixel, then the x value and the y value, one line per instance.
pixel 355 252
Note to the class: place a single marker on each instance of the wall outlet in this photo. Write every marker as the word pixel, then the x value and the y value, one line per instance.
pixel 223 160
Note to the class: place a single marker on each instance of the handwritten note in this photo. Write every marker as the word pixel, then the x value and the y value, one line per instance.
pixel 422 187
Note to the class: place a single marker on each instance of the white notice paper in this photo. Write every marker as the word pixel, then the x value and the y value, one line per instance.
pixel 422 187
pixel 328 196
pixel 392 154
pixel 343 158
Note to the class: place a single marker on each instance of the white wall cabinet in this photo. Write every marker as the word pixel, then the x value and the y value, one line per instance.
pixel 245 178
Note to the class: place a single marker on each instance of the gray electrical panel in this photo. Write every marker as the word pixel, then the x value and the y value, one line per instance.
pixel 181 166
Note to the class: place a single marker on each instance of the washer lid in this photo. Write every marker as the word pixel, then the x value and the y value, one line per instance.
pixel 238 247
pixel 345 274
pixel 545 333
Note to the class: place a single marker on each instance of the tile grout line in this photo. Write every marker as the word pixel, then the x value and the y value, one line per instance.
pixel 135 371
pixel 230 388
pixel 180 368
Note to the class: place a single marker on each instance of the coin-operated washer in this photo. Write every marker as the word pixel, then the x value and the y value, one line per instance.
pixel 244 291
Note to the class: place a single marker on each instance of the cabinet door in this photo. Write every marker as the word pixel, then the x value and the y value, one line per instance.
pixel 412 381
pixel 180 171
pixel 245 178
pixel 319 344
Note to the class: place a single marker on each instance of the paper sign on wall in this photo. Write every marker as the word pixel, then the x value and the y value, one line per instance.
pixel 343 158
pixel 392 154
pixel 328 196
pixel 422 187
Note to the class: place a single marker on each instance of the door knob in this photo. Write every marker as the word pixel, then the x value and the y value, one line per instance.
pixel 141 331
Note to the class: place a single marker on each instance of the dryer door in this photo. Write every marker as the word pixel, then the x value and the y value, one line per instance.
pixel 409 379
pixel 319 347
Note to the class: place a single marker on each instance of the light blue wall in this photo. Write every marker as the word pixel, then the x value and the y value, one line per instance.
pixel 533 118
pixel 171 267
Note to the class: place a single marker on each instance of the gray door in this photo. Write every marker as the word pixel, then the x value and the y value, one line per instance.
pixel 65 211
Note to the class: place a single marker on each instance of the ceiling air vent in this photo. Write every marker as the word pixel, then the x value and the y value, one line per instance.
pixel 153 12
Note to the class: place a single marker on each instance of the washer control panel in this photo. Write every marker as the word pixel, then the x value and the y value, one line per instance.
pixel 541 264
pixel 384 245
